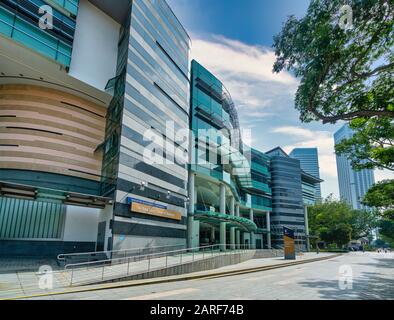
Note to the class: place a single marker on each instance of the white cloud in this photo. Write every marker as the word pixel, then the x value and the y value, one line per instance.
pixel 246 71
pixel 224 55
pixel 383 175
pixel 304 138
pixel 323 140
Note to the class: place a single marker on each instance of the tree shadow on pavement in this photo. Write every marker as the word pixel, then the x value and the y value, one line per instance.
pixel 367 287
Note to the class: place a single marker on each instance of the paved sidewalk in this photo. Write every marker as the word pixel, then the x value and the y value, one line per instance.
pixel 19 283
pixel 8 265
pixel 26 284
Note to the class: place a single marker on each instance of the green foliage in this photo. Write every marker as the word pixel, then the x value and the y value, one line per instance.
pixel 372 145
pixel 345 74
pixel 363 222
pixel 381 196
pixel 335 222
pixel 386 228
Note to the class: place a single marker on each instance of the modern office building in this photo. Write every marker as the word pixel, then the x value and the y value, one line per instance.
pixel 309 159
pixel 353 185
pixel 292 190
pixel 76 97
pixel 95 152
pixel 229 184
pixel 151 108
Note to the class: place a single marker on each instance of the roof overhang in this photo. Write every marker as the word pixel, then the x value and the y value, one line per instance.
pixel 310 178
pixel 20 191
pixel 21 65
pixel 117 10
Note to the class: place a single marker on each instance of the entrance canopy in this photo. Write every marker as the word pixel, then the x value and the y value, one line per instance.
pixel 232 221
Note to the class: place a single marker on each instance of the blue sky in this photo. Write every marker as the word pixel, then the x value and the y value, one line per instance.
pixel 250 21
pixel 233 39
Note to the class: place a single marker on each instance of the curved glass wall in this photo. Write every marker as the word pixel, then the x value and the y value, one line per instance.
pixel 219 152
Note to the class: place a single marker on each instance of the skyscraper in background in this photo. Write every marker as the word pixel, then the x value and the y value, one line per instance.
pixel 309 159
pixel 353 185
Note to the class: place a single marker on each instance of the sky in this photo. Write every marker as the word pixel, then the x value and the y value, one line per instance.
pixel 233 39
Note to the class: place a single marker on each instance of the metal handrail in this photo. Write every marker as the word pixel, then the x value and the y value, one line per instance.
pixel 62 256
pixel 57 49
pixel 207 252
pixel 167 253
pixel 161 254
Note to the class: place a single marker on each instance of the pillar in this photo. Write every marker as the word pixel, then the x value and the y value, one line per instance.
pixel 223 236
pixel 237 214
pixel 238 238
pixel 232 230
pixel 252 239
pixel 308 244
pixel 222 211
pixel 251 215
pixel 232 238
pixel 191 208
pixel 213 235
pixel 232 206
pixel 222 199
pixel 268 222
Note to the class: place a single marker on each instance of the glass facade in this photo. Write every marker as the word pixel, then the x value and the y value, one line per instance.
pixel 218 150
pixel 229 174
pixel 309 159
pixel 24 219
pixel 353 185
pixel 69 5
pixel 153 100
pixel 261 179
pixel 19 20
pixel 287 204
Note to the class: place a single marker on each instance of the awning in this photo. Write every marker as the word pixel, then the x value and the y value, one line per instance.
pixel 232 221
pixel 19 191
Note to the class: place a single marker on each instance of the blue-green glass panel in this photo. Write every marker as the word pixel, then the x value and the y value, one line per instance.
pixel 6 22
pixel 25 219
pixel 69 5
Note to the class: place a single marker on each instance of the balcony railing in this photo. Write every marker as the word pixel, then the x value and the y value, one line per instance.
pixel 69 5
pixel 34 38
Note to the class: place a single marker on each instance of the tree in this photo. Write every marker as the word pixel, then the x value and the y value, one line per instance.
pixel 329 220
pixel 381 196
pixel 346 71
pixel 363 222
pixel 335 222
pixel 340 234
pixel 386 228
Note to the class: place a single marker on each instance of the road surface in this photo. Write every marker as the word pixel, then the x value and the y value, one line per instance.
pixel 351 276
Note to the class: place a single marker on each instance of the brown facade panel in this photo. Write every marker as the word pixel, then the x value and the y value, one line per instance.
pixel 51 94
pixel 47 130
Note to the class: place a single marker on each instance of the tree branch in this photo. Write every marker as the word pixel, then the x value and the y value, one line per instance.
pixel 357 114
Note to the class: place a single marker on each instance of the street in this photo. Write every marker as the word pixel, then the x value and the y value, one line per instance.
pixel 354 276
